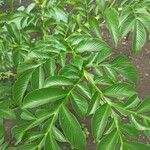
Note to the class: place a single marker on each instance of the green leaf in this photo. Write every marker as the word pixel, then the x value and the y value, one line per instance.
pixel 3 144
pixel 138 37
pixel 94 26
pixel 145 20
pixel 27 147
pixel 112 22
pixel 72 129
pixel 104 80
pixel 91 45
pixel 37 78
pixel 103 54
pixel 14 31
pixel 135 145
pixel 50 143
pixel 7 113
pixel 60 15
pixel 58 135
pixel 79 104
pixel 57 81
pixel 43 96
pixel 27 115
pixel 25 66
pixel 132 102
pixel 19 131
pixel 123 65
pixel 126 26
pixel 129 129
pixel 94 103
pixel 144 106
pixel 77 62
pixel 99 121
pixel 109 141
pixel 20 87
pixel 50 66
pixel 120 90
pixel 84 90
pixel 101 4
pixel 139 125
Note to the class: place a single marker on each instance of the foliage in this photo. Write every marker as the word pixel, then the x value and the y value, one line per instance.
pixel 65 70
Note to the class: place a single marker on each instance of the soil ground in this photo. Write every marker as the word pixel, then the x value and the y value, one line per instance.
pixel 141 61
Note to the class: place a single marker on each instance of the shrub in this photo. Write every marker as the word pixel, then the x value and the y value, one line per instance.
pixel 65 70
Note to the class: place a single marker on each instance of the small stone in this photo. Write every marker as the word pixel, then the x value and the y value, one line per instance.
pixel 123 43
pixel 146 74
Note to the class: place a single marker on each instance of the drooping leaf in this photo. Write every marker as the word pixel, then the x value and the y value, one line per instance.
pixel 50 143
pixel 138 37
pixel 77 62
pixel 94 103
pixel 37 78
pixel 123 65
pixel 139 125
pixel 94 25
pixel 100 120
pixel 109 141
pixel 79 104
pixel 21 86
pixel 144 106
pixel 144 19
pixel 75 136
pixel 132 102
pixel 126 26
pixel 135 145
pixel 112 22
pixel 27 147
pixel 101 4
pixel 58 135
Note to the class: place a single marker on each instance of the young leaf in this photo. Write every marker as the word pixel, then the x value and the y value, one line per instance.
pixel 72 129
